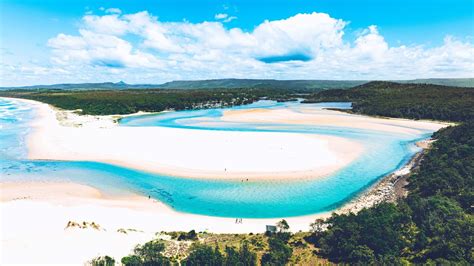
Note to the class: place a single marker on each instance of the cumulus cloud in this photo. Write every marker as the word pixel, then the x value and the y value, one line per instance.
pixel 107 24
pixel 99 49
pixel 302 34
pixel 304 46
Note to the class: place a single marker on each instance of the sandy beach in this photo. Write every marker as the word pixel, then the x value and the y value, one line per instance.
pixel 59 135
pixel 326 117
pixel 188 153
pixel 35 218
pixel 35 215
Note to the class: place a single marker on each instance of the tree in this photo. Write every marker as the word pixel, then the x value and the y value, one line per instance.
pixel 103 261
pixel 191 235
pixel 283 226
pixel 247 257
pixel 279 253
pixel 132 260
pixel 243 257
pixel 232 257
pixel 362 255
pixel 151 252
pixel 447 230
pixel 317 227
pixel 204 255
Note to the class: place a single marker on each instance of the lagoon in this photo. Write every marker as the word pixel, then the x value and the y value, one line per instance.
pixel 384 152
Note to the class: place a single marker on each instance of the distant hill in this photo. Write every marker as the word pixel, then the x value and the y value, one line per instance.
pixel 205 84
pixel 460 82
pixel 407 100
pixel 88 86
pixel 240 83
pixel 262 83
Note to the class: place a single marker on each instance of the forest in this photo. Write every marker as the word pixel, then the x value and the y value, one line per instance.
pixel 107 102
pixel 434 224
pixel 414 101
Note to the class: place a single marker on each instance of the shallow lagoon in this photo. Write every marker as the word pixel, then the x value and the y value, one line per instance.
pixel 385 153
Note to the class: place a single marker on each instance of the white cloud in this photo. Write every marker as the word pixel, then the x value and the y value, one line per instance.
pixel 229 19
pixel 107 24
pixel 302 33
pixel 140 48
pixel 371 44
pixel 100 49
pixel 221 16
pixel 113 11
pixel 224 17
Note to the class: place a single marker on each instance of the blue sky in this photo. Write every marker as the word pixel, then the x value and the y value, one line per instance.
pixel 346 39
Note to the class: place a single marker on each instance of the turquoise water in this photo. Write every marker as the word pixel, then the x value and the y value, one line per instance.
pixel 384 154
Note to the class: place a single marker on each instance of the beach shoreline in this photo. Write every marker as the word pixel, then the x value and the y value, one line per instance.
pixel 85 221
pixel 65 136
pixel 373 194
pixel 35 211
pixel 389 188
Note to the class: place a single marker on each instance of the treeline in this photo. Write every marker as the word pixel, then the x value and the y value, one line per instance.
pixel 106 102
pixel 435 223
pixel 414 101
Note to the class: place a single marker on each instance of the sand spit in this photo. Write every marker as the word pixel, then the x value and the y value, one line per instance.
pixel 187 153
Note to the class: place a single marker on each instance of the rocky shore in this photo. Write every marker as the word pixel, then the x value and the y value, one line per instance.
pixel 388 189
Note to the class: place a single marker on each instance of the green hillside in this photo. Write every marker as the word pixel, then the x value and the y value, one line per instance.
pixel 415 101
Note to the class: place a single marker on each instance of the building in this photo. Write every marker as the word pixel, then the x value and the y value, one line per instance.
pixel 271 229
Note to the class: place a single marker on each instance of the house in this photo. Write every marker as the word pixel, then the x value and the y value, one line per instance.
pixel 271 229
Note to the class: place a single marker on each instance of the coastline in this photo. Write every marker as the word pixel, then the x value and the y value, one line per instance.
pixel 383 189
pixel 389 188
pixel 35 211
pixel 83 221
pixel 37 218
pixel 68 119
pixel 230 155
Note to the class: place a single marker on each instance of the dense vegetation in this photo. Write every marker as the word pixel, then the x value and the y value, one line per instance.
pixel 458 82
pixel 415 101
pixel 106 102
pixel 435 222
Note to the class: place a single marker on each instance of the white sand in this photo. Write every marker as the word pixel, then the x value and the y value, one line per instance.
pixel 34 217
pixel 190 153
pixel 330 118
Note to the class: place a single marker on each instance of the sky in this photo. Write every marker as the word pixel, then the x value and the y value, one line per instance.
pixel 154 41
